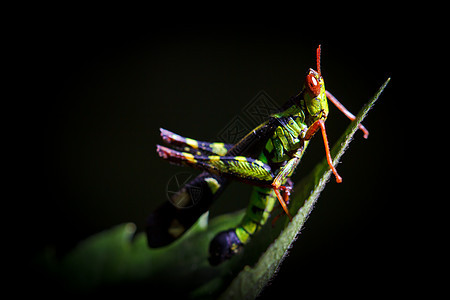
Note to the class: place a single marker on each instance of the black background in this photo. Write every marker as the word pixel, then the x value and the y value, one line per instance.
pixel 99 96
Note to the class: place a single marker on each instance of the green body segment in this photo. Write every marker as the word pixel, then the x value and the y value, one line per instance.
pixel 262 201
pixel 287 136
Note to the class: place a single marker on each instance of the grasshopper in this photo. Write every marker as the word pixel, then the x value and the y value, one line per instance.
pixel 265 158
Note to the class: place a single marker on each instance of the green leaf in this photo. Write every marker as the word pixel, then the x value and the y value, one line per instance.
pixel 119 257
pixel 116 257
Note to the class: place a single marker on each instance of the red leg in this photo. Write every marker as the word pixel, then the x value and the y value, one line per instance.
pixel 286 193
pixel 312 130
pixel 284 199
pixel 346 112
pixel 327 151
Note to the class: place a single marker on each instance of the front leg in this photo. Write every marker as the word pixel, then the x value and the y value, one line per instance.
pixel 309 134
pixel 283 175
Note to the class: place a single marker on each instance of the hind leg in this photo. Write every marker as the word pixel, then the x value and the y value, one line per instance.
pixel 245 169
pixel 194 146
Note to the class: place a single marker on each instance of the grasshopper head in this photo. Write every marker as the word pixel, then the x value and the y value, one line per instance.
pixel 315 95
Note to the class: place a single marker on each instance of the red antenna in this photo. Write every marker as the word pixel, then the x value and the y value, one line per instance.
pixel 318 60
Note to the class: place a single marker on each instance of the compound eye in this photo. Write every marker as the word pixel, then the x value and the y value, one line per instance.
pixel 313 85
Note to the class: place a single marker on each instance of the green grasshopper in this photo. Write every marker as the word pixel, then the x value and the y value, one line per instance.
pixel 265 158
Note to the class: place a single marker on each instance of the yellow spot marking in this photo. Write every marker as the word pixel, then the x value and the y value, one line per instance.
pixel 214 158
pixel 241 158
pixel 213 184
pixel 218 148
pixel 192 143
pixel 189 157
